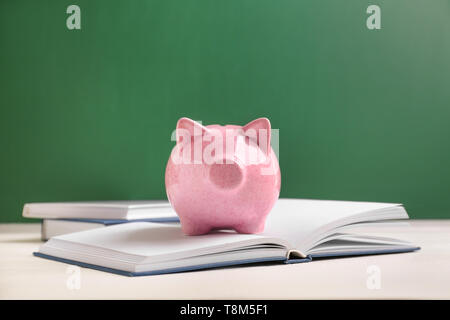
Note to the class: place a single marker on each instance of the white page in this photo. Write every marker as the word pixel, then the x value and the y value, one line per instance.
pixel 156 240
pixel 296 220
pixel 291 220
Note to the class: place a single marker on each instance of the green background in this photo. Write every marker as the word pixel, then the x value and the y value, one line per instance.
pixel 88 114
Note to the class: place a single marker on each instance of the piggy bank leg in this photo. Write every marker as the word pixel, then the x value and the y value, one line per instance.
pixel 194 228
pixel 250 227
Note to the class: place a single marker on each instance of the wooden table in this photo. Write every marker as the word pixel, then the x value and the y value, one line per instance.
pixel 419 275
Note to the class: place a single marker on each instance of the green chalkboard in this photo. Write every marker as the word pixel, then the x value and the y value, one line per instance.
pixel 88 114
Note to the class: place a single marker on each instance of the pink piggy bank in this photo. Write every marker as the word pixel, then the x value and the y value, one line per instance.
pixel 222 177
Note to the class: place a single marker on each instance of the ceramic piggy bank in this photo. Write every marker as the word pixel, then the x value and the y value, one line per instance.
pixel 222 177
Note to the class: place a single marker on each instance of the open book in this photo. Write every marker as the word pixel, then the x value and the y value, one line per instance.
pixel 296 231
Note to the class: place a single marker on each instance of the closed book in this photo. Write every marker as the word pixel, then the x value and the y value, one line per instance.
pixel 109 210
pixel 56 227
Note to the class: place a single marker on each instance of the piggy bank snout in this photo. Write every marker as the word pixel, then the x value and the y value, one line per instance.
pixel 226 175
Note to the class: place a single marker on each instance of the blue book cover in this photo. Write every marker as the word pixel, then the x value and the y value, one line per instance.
pixel 244 262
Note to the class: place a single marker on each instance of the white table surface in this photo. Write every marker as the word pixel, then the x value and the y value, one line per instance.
pixel 424 274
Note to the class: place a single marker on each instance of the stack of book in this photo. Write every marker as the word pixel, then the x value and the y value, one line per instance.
pixel 68 217
pixel 296 231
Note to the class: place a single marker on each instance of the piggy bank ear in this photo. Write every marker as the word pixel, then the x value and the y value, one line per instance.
pixel 188 127
pixel 259 131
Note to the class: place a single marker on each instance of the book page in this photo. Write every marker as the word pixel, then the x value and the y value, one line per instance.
pixel 147 239
pixel 290 224
pixel 296 220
